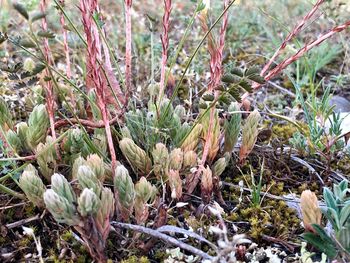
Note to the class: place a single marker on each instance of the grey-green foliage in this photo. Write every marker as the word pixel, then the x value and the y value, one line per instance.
pixel 147 128
pixel 337 212
pixel 337 243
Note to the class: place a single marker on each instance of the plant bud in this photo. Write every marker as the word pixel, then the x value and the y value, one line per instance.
pixel 76 140
pixel 219 166
pixel 180 111
pixel 145 191
pixel 135 155
pixel 310 210
pixel 192 139
pixel 176 159
pixel 14 141
pixel 32 185
pixel 38 123
pixel 61 209
pixel 100 141
pixel 206 185
pixel 87 179
pixel 250 134
pixel 46 157
pixel 160 160
pixel 213 132
pixel 77 163
pixel 232 128
pixel 190 159
pixel 124 191
pixel 88 203
pixel 97 166
pixel 105 213
pixel 175 184
pixel 125 132
pixel 22 129
pixel 62 187
pixel 5 115
pixel 29 65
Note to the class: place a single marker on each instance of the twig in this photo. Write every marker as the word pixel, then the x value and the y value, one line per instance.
pixel 22 222
pixel 87 123
pixel 311 169
pixel 164 237
pixel 12 206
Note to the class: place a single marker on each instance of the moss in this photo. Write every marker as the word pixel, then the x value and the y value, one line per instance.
pixel 67 236
pixel 135 259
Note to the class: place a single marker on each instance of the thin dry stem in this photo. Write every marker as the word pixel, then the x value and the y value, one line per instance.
pixel 128 4
pixel 165 46
pixel 291 35
pixel 50 97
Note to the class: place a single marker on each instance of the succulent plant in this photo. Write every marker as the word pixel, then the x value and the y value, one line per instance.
pixel 190 159
pixel 145 193
pixel 124 192
pixel 176 158
pixel 46 157
pixel 310 209
pixel 213 133
pixel 5 115
pixel 32 185
pixel 61 209
pixel 88 203
pixel 160 160
pixel 337 211
pixel 175 184
pixel 14 140
pixel 232 128
pixel 22 129
pixel 250 134
pixel 191 141
pixel 38 123
pixel 137 157
pixel 206 184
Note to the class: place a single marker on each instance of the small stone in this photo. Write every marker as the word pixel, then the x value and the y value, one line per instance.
pixel 341 104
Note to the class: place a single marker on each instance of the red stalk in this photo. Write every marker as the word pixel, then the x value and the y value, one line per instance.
pixel 50 97
pixel 291 35
pixel 95 73
pixel 128 4
pixel 165 45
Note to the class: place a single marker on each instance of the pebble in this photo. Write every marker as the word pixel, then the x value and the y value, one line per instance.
pixel 341 104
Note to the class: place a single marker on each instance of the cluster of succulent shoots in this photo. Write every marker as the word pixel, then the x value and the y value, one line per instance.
pixel 28 135
pixel 86 204
pixel 177 168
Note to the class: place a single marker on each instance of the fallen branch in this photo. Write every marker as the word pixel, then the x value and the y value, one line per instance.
pixel 164 237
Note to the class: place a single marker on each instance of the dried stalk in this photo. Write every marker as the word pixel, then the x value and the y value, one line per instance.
pixel 95 75
pixel 305 49
pixel 216 53
pixel 164 237
pixel 165 45
pixel 128 4
pixel 65 42
pixel 50 97
pixel 291 35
